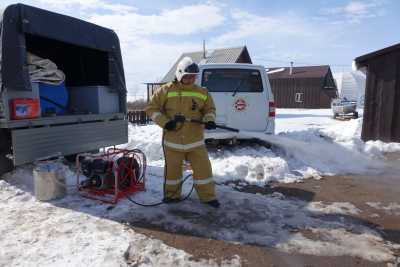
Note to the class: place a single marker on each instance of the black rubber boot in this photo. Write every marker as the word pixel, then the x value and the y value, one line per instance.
pixel 213 203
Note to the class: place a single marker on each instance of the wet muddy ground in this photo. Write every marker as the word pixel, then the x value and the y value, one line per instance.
pixel 381 213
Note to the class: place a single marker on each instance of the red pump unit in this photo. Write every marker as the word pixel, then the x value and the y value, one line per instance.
pixel 112 175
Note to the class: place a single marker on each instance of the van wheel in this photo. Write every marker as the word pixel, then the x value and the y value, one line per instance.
pixel 6 164
pixel 355 115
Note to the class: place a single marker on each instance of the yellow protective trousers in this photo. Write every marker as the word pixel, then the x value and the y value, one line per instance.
pixel 202 173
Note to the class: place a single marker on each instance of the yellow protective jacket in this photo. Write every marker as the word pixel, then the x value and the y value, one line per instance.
pixel 191 101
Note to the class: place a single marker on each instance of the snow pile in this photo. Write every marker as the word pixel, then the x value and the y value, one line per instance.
pixel 309 149
pixel 138 254
pixel 379 148
pixel 344 208
pixel 255 165
pixel 392 208
pixel 338 242
pixel 148 139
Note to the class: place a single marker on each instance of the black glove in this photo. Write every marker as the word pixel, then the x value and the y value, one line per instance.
pixel 210 125
pixel 170 125
pixel 179 118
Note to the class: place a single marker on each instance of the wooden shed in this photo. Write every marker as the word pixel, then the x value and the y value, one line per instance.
pixel 382 94
pixel 302 87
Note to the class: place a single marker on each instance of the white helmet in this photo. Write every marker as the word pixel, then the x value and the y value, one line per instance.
pixel 186 66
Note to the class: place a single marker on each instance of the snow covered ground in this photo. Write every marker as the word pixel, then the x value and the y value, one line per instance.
pixel 74 231
pixel 79 232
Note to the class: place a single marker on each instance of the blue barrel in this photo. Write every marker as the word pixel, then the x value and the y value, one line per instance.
pixel 53 99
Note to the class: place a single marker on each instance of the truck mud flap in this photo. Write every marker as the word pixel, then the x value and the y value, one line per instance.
pixel 34 143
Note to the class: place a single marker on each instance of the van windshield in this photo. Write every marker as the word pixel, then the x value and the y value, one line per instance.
pixel 230 80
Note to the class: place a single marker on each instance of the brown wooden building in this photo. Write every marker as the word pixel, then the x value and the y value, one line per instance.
pixel 382 94
pixel 302 87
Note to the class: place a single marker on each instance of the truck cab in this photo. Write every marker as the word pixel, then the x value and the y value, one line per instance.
pixel 242 96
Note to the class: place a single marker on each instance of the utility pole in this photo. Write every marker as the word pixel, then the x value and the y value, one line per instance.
pixel 204 49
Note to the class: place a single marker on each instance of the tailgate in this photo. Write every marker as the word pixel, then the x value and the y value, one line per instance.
pixel 31 144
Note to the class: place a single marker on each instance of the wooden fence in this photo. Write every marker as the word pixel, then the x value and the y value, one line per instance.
pixel 138 117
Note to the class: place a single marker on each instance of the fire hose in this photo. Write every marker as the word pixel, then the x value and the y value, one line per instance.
pixel 216 125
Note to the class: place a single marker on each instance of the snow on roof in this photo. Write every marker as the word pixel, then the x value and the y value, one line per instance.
pixel 299 72
pixel 270 71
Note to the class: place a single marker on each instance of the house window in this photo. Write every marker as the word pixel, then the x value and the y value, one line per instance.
pixel 299 97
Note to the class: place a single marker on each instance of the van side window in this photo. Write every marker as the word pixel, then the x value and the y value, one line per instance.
pixel 229 80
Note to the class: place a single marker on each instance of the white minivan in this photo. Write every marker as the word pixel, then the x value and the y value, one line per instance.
pixel 242 96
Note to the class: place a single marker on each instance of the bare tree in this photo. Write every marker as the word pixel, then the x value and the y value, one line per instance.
pixel 139 104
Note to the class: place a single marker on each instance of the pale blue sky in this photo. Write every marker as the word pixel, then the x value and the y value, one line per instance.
pixel 154 33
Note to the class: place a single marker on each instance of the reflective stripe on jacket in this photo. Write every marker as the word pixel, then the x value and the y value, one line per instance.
pixel 193 102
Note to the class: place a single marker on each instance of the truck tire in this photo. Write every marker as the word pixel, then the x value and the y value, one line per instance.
pixel 355 115
pixel 6 164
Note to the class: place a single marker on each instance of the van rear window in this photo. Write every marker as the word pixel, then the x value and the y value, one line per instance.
pixel 230 80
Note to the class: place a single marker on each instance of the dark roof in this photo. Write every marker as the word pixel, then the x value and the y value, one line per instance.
pixel 362 60
pixel 224 55
pixel 298 72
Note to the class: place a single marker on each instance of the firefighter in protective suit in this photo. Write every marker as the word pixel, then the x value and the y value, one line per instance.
pixel 171 107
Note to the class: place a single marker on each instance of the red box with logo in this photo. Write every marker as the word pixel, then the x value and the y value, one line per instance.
pixel 24 108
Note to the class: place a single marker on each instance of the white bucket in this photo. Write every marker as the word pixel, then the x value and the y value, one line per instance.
pixel 49 181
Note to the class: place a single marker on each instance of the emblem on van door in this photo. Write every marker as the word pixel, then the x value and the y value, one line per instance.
pixel 240 104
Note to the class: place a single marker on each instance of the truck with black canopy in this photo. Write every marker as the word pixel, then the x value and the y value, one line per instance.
pixel 62 86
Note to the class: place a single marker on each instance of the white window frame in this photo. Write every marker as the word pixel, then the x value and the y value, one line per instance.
pixel 299 97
